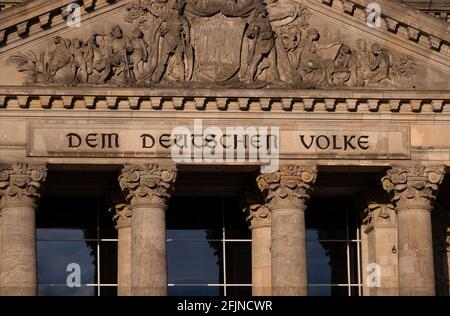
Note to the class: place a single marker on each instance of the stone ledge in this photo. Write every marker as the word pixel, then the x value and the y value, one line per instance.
pixel 405 22
pixel 245 100
pixel 43 12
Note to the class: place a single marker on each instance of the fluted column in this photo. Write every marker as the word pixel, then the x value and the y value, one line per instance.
pixel 286 193
pixel 379 246
pixel 147 189
pixel 415 189
pixel 122 217
pixel 20 186
pixel 259 218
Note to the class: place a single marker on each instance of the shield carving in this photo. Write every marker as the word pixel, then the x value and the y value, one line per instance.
pixel 217 42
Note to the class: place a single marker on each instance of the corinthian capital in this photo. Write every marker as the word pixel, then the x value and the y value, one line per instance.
pixel 147 184
pixel 288 188
pixel 415 186
pixel 20 184
pixel 120 209
pixel 256 212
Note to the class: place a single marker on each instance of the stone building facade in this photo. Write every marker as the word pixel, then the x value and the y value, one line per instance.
pixel 278 147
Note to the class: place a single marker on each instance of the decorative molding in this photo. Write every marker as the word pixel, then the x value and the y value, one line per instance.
pixel 43 13
pixel 245 100
pixel 377 209
pixel 21 184
pixel 122 215
pixel 277 47
pixel 147 184
pixel 400 20
pixel 120 209
pixel 288 188
pixel 257 213
pixel 414 187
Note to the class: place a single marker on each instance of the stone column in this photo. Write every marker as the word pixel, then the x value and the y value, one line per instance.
pixel 286 193
pixel 147 189
pixel 20 186
pixel 379 247
pixel 415 189
pixel 122 216
pixel 259 218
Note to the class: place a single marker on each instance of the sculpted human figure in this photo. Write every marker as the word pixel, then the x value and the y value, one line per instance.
pixel 362 61
pixel 115 56
pixel 59 56
pixel 380 64
pixel 79 60
pixel 140 52
pixel 175 38
pixel 262 49
pixel 316 70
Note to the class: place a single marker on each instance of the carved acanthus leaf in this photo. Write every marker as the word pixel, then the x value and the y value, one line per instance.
pixel 147 184
pixel 417 185
pixel 21 183
pixel 256 212
pixel 288 188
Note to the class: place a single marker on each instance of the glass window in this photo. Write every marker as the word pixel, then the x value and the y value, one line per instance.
pixel 208 248
pixel 333 245
pixel 80 231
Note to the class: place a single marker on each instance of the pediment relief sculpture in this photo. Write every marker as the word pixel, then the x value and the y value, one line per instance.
pixel 217 43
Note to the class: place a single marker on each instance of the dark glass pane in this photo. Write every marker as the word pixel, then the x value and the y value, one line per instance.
pixel 195 219
pixel 353 251
pixel 60 234
pixel 326 219
pixel 327 262
pixel 108 262
pixel 353 219
pixel 108 291
pixel 53 258
pixel 239 262
pixel 63 290
pixel 194 262
pixel 239 291
pixel 354 290
pixel 106 223
pixel 195 291
pixel 69 212
pixel 326 290
pixel 236 226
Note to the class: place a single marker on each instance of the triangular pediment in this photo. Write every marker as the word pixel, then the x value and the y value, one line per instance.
pixel 218 43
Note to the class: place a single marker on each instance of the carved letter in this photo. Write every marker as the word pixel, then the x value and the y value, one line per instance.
pixel 71 136
pixel 107 140
pixel 335 142
pixel 164 140
pixel 348 142
pixel 91 140
pixel 363 142
pixel 302 139
pixel 146 137
pixel 326 140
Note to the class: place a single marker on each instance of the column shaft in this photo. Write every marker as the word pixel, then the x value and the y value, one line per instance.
pixel 18 251
pixel 261 262
pixel 148 251
pixel 20 186
pixel 286 193
pixel 415 189
pixel 124 261
pixel 415 251
pixel 289 269
pixel 147 190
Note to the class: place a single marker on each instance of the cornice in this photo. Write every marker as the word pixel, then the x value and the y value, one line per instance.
pixel 222 100
pixel 42 13
pixel 408 23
